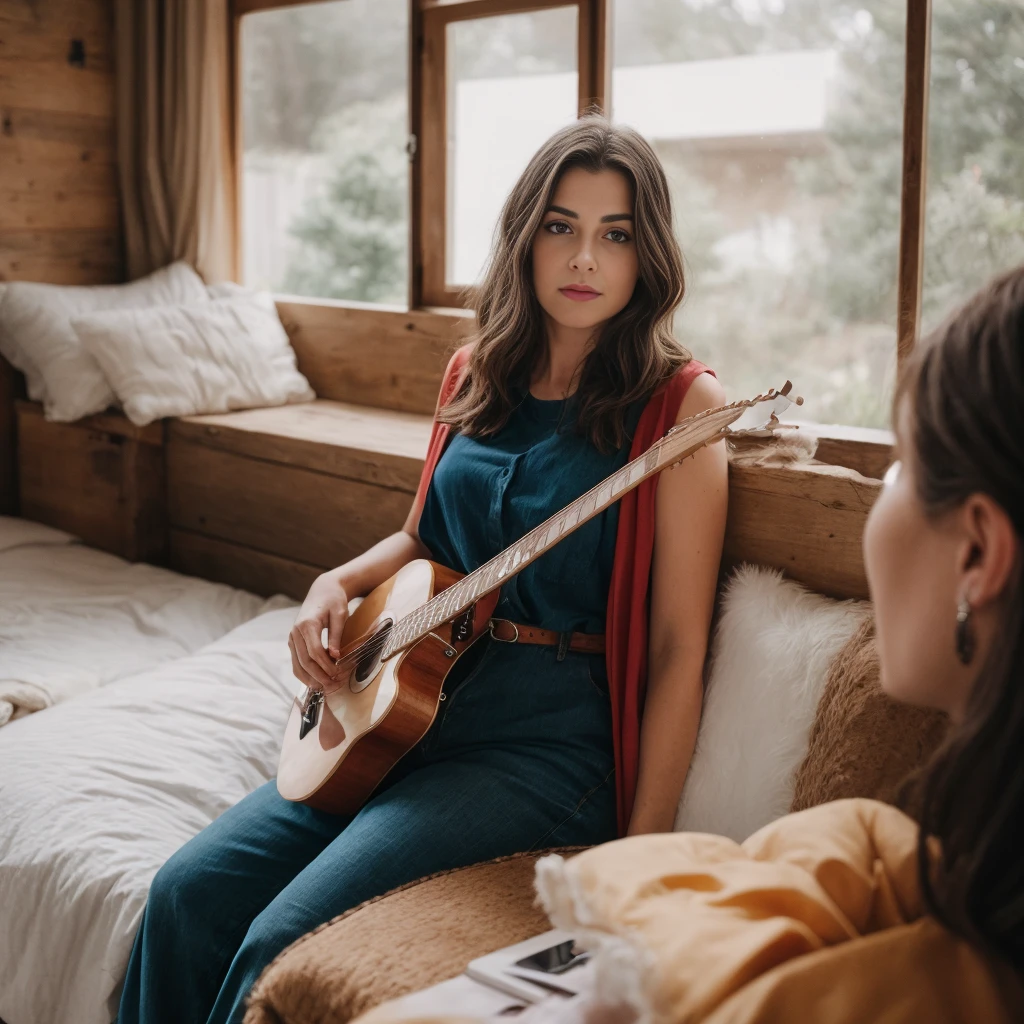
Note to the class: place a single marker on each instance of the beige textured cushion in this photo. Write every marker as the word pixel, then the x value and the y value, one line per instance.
pixel 404 941
pixel 863 743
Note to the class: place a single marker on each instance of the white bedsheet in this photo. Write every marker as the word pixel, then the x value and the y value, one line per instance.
pixel 98 792
pixel 73 618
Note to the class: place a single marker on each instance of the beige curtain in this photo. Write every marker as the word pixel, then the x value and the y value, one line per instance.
pixel 174 120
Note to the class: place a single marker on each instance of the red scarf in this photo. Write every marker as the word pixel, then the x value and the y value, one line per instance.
pixel 627 617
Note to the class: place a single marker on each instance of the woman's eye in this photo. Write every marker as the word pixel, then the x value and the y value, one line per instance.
pixel 892 474
pixel 555 227
pixel 617 235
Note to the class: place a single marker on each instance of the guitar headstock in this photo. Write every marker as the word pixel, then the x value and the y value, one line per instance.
pixel 756 417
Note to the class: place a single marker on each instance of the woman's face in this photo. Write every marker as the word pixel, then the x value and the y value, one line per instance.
pixel 914 569
pixel 585 263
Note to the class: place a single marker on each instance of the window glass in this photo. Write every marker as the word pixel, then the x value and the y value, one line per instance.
pixel 325 173
pixel 512 82
pixel 974 226
pixel 780 126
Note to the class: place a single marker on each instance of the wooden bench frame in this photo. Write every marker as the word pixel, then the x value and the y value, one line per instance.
pixel 266 499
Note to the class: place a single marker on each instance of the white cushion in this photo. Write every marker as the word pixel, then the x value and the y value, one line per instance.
pixel 231 353
pixel 36 334
pixel 18 533
pixel 772 648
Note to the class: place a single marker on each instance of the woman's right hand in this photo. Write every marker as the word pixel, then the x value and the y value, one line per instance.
pixel 326 606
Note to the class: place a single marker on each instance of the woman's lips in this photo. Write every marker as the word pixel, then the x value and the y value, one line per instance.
pixel 579 293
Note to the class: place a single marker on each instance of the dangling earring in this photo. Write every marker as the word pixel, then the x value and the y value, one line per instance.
pixel 964 634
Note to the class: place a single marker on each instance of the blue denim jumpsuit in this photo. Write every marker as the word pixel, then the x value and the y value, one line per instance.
pixel 518 758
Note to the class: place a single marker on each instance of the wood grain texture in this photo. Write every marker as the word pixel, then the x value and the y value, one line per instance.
pixel 11 386
pixel 915 155
pixel 807 520
pixel 224 562
pixel 59 199
pixel 104 486
pixel 373 356
pixel 350 441
pixel 298 514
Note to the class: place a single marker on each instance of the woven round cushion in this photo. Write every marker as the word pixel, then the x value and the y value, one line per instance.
pixel 406 940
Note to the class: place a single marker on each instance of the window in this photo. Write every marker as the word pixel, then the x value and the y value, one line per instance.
pixel 799 203
pixel 780 128
pixel 497 78
pixel 325 169
pixel 512 82
pixel 974 227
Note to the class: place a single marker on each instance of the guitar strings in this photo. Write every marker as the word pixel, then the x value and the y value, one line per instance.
pixel 377 642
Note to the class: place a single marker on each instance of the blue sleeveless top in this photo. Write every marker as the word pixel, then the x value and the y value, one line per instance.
pixel 487 492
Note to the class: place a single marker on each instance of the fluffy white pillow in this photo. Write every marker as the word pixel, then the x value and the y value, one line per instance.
pixel 17 533
pixel 771 652
pixel 36 334
pixel 231 353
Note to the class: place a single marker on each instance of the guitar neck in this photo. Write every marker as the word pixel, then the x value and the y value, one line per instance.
pixel 679 443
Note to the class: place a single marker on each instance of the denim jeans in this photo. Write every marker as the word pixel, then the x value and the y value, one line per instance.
pixel 518 758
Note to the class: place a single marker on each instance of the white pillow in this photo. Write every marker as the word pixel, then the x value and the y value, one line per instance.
pixel 36 334
pixel 231 353
pixel 771 652
pixel 17 533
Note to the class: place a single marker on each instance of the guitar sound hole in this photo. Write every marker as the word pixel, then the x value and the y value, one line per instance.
pixel 368 665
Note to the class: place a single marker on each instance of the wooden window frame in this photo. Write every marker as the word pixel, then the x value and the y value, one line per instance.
pixel 429 101
pixel 428 290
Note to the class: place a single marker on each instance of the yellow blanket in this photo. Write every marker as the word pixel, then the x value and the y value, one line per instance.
pixel 817 917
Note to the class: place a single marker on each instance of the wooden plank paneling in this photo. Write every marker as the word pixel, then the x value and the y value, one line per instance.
pixel 61 257
pixel 49 34
pixel 354 442
pixel 59 215
pixel 295 513
pixel 11 384
pixel 57 86
pixel 807 520
pixel 239 566
pixel 372 355
pixel 57 210
pixel 104 486
pixel 85 137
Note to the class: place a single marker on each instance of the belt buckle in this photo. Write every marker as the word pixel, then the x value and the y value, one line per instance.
pixel 502 640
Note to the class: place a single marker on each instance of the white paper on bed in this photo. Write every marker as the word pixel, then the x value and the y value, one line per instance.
pixel 98 792
pixel 73 618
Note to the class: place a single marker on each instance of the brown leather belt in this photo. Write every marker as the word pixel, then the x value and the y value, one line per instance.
pixel 516 633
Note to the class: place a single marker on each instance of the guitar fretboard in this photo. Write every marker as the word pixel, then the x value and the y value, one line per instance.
pixel 680 442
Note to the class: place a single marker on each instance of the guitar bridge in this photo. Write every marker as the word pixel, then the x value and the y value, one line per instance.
pixel 310 712
pixel 462 627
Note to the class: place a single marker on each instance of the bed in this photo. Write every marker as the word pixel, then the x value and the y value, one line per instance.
pixel 99 790
pixel 73 618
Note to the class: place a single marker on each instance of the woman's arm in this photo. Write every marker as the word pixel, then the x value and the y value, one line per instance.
pixel 364 573
pixel 689 531
pixel 326 604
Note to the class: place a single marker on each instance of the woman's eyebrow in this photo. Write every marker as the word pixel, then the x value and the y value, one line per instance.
pixel 604 220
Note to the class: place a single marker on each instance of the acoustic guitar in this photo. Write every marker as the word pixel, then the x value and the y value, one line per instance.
pixel 402 641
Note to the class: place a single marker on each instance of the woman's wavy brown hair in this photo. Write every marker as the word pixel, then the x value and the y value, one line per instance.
pixel 635 351
pixel 965 386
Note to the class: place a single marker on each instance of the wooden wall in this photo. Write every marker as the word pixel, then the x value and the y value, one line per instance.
pixel 59 219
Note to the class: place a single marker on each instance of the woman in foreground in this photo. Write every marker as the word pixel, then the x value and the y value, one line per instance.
pixel 573 369
pixel 849 911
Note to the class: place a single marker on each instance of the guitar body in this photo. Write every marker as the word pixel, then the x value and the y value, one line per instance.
pixel 339 746
pixel 400 644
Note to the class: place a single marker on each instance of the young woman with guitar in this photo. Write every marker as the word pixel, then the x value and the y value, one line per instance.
pixel 575 719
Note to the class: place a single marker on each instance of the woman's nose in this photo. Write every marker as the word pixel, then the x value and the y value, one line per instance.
pixel 583 260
